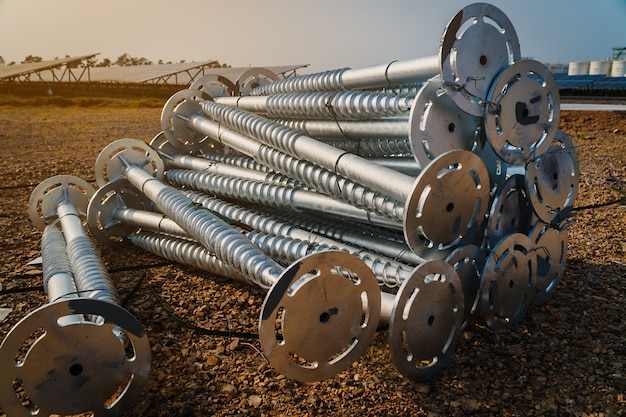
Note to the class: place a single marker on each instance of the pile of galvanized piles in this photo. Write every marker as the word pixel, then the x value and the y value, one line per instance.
pixel 420 195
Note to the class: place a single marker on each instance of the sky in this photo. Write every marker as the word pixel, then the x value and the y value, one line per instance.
pixel 326 34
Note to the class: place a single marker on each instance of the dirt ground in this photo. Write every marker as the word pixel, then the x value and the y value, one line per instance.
pixel 566 358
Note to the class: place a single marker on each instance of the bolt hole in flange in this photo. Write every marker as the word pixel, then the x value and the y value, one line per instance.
pixel 76 369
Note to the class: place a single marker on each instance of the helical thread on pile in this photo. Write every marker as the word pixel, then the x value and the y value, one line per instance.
pixel 321 81
pixel 54 257
pixel 372 147
pixel 395 128
pixel 253 126
pixel 410 90
pixel 250 217
pixel 350 105
pixel 265 223
pixel 240 161
pixel 389 274
pixel 378 240
pixel 285 180
pixel 185 252
pixel 91 276
pixel 230 246
pixel 279 195
pixel 232 187
pixel 332 184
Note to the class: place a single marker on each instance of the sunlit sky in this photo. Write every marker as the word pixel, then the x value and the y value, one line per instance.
pixel 327 34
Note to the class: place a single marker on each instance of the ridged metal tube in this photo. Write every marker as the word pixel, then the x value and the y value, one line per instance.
pixel 393 128
pixel 411 89
pixel 321 81
pixel 58 279
pixel 243 161
pixel 91 276
pixel 249 171
pixel 202 164
pixel 268 224
pixel 309 173
pixel 230 247
pixel 381 179
pixel 393 73
pixel 185 252
pixel 271 195
pixel 372 147
pixel 390 274
pixel 348 233
pixel 350 105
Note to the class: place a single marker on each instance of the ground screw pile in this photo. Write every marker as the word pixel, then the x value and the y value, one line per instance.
pixel 425 195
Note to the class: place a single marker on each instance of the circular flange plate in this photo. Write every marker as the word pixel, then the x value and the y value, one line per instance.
pixel 552 180
pixel 476 45
pixel 449 198
pixel 214 85
pixel 160 143
pixel 426 320
pixel 182 137
pixel 510 210
pixel 101 212
pixel 551 246
pixel 436 126
pixel 468 261
pixel 42 205
pixel 522 117
pixel 112 160
pixel 253 78
pixel 75 368
pixel 320 316
pixel 508 282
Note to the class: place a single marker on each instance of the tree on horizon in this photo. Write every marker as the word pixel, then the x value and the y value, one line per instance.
pixel 31 58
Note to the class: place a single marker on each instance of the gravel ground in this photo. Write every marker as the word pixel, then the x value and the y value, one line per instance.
pixel 566 358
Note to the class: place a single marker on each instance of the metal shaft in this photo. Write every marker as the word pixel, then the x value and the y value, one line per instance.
pixel 393 73
pixel 284 288
pixel 462 208
pixel 386 181
pixel 273 195
pixel 89 355
pixel 349 105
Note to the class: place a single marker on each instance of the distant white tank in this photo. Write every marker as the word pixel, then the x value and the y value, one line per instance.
pixel 557 68
pixel 578 68
pixel 599 67
pixel 618 68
